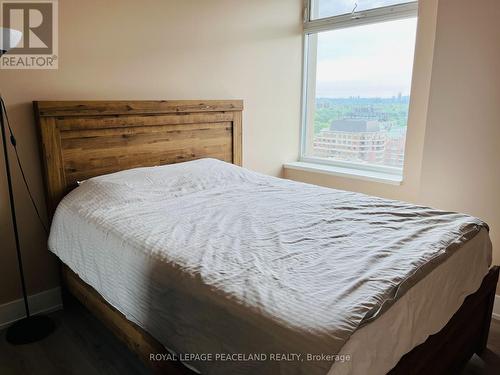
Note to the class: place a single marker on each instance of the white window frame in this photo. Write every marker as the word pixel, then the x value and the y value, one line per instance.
pixel 388 13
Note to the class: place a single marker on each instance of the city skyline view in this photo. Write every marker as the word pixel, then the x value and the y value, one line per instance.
pixel 361 130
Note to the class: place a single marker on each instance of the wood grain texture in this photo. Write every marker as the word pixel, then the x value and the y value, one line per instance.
pixel 84 139
pixel 54 176
pixel 122 107
pixel 135 338
pixel 237 138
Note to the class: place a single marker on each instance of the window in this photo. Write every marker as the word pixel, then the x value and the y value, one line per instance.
pixel 331 8
pixel 357 72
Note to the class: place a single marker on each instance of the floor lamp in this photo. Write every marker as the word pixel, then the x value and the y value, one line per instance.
pixel 31 328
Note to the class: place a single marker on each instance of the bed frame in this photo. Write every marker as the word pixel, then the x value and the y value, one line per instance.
pixel 83 139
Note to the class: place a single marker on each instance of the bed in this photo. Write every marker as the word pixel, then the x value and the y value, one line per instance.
pixel 225 283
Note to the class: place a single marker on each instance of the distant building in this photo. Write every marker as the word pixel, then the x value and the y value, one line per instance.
pixel 364 113
pixel 355 140
pixel 395 148
pixel 323 105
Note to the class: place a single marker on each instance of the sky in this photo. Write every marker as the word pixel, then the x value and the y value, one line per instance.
pixel 368 61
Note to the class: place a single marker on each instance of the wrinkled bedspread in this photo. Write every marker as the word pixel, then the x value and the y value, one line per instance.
pixel 240 262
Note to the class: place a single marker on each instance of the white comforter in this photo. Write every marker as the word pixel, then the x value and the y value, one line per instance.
pixel 239 262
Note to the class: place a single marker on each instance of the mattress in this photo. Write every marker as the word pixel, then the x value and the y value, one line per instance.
pixel 424 310
pixel 264 275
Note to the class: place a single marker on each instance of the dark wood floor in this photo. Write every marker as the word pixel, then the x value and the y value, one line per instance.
pixel 489 363
pixel 82 346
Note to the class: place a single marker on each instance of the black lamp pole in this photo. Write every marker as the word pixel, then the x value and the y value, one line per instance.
pixel 13 210
pixel 31 328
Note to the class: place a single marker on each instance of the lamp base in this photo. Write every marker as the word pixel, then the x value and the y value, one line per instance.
pixel 29 330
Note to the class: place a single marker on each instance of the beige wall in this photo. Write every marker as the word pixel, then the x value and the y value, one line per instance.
pixel 453 146
pixel 157 49
pixel 461 164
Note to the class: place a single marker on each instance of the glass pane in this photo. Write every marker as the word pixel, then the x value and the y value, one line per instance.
pixel 359 92
pixel 329 8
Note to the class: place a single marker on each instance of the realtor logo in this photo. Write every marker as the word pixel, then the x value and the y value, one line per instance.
pixel 37 20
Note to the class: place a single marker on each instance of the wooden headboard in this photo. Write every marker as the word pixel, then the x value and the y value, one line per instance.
pixel 83 139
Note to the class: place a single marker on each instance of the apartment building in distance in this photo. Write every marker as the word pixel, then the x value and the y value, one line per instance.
pixel 361 140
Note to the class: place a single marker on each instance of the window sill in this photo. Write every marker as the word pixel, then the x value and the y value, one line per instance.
pixel 387 178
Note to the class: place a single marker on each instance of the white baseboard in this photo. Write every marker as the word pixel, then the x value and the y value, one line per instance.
pixel 496 308
pixel 44 302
